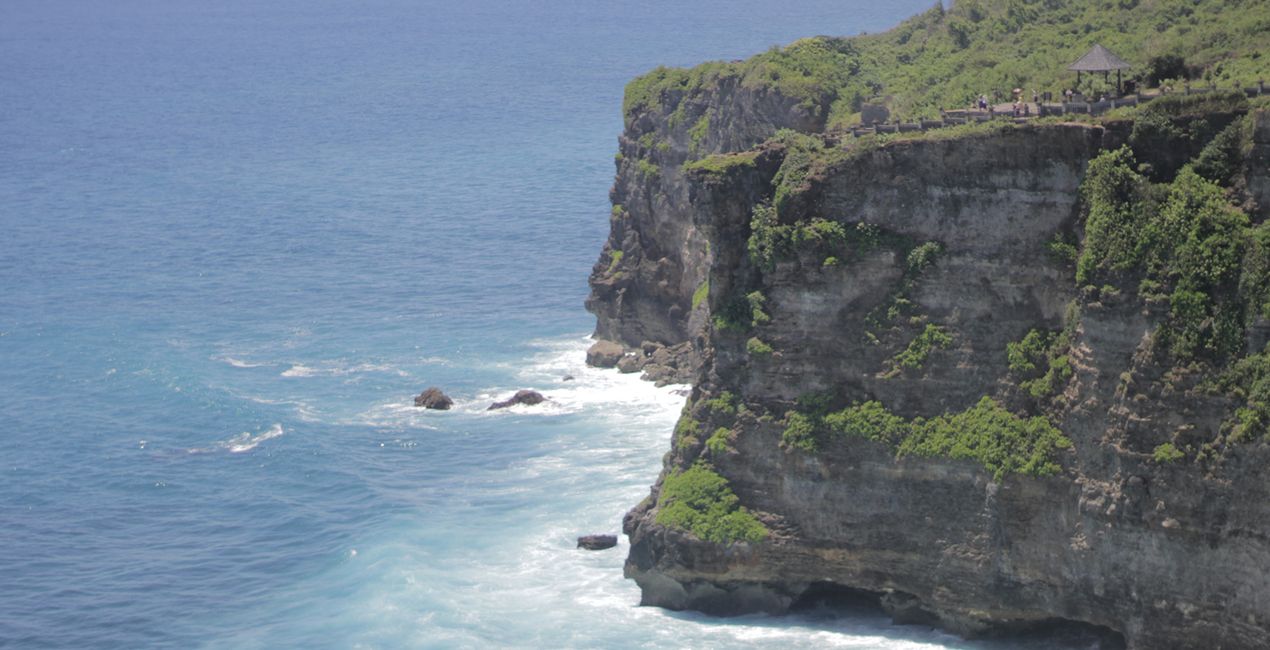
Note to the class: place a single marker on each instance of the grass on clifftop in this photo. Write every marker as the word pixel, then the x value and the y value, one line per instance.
pixel 699 501
pixel 944 58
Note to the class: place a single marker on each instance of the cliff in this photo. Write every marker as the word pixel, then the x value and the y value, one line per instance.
pixel 995 377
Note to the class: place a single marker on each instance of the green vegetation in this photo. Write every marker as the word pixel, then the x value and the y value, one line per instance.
pixel 756 300
pixel 1115 215
pixel 1247 380
pixel 717 443
pixel 1001 441
pixel 1222 159
pixel 723 404
pixel 686 430
pixel 647 168
pixel 699 296
pixel 1186 243
pixel 719 166
pixel 1063 251
pixel 1172 130
pixel 618 211
pixel 743 314
pixel 772 241
pixel 806 156
pixel 700 501
pixel 1040 362
pixel 615 258
pixel 884 317
pixel 757 348
pixel 932 338
pixel 922 257
pixel 697 134
pixel 871 421
pixel 944 58
pixel 800 431
pixel 1181 105
pixel 1167 453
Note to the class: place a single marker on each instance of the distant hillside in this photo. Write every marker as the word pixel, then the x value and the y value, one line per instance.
pixel 944 58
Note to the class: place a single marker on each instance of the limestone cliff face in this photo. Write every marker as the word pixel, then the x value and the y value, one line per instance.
pixel 655 258
pixel 1164 555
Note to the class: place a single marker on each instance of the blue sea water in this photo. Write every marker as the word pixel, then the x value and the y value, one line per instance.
pixel 237 237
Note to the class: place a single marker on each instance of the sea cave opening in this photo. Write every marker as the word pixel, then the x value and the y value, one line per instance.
pixel 832 600
pixel 829 600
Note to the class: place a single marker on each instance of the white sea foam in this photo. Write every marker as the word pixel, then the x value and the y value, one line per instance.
pixel 604 391
pixel 299 370
pixel 395 414
pixel 592 388
pixel 239 363
pixel 339 369
pixel 246 441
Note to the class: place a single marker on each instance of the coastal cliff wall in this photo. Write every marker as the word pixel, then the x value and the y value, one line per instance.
pixel 655 259
pixel 860 296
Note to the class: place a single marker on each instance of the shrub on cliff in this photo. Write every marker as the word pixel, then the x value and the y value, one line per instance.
pixel 1001 441
pixel 1167 453
pixel 1184 240
pixel 1115 215
pixel 1039 362
pixel 1247 380
pixel 720 166
pixel 700 501
pixel 932 338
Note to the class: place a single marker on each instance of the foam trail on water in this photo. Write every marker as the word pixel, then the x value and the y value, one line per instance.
pixel 245 441
pixel 339 369
pixel 239 363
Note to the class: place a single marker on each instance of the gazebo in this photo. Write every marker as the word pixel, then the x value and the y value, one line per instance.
pixel 1100 59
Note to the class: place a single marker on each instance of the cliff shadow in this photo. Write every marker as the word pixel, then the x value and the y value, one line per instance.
pixel 835 606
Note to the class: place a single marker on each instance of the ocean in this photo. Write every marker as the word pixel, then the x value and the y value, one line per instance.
pixel 238 237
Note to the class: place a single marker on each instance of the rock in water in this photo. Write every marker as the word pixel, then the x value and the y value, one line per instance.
pixel 526 397
pixel 604 354
pixel 629 363
pixel 597 542
pixel 433 398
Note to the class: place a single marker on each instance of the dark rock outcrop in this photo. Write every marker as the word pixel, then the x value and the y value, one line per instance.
pixel 525 397
pixel 604 354
pixel 629 363
pixel 597 542
pixel 433 398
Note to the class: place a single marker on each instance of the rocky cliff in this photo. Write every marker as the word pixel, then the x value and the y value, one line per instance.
pixel 645 286
pixel 994 377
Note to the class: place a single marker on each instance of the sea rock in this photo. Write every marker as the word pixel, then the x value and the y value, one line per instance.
pixel 433 398
pixel 567 378
pixel 630 363
pixel 597 542
pixel 526 397
pixel 604 354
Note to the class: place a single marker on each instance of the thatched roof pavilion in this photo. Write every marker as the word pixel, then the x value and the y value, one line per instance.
pixel 1100 59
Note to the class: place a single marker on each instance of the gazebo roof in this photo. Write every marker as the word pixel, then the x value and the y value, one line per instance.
pixel 1099 59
